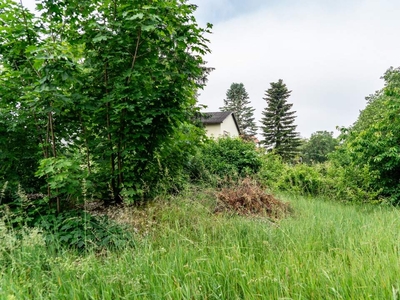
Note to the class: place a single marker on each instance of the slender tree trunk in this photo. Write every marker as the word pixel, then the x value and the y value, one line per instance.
pixel 53 148
pixel 114 187
pixel 86 144
pixel 120 148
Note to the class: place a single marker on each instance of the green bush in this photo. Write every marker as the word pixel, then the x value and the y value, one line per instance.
pixel 331 179
pixel 302 179
pixel 225 158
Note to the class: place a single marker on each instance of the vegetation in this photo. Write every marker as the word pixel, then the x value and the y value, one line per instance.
pixel 237 101
pixel 317 148
pixel 97 102
pixel 374 140
pixel 278 129
pixel 225 159
pixel 96 99
pixel 326 250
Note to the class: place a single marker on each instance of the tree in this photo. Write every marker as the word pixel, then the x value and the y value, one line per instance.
pixel 108 82
pixel 237 101
pixel 317 148
pixel 374 140
pixel 278 127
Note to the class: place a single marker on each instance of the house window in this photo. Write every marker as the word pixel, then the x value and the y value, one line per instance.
pixel 226 133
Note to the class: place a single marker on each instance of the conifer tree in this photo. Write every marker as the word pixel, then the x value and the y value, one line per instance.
pixel 278 128
pixel 237 101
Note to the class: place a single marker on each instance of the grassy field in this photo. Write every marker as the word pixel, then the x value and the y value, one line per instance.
pixel 325 250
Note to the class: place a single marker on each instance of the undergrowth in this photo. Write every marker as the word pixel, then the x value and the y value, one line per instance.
pixel 75 229
pixel 326 250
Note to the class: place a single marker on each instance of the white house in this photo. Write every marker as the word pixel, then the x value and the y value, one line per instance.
pixel 221 123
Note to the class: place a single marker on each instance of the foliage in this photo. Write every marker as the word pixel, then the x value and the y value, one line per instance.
pixel 350 252
pixel 19 144
pixel 317 148
pixel 330 179
pixel 278 129
pixel 374 140
pixel 75 229
pixel 111 80
pixel 237 101
pixel 225 158
pixel 64 176
pixel 168 173
pixel 81 231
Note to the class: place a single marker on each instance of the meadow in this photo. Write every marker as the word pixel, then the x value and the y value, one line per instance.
pixel 183 250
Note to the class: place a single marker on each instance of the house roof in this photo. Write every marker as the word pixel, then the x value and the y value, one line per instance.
pixel 218 117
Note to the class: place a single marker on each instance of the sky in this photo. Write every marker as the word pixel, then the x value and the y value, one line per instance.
pixel 330 54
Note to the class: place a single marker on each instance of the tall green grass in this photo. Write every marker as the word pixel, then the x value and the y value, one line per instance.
pixel 325 250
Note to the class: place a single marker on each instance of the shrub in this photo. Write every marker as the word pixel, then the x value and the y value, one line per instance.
pixel 302 179
pixel 331 179
pixel 225 158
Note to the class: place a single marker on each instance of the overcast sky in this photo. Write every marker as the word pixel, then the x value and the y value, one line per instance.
pixel 331 54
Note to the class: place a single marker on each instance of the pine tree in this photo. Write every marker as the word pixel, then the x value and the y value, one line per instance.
pixel 237 101
pixel 278 127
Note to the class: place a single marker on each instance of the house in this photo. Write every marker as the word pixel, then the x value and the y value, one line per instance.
pixel 221 123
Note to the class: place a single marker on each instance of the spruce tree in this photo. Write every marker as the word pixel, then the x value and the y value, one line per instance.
pixel 278 128
pixel 237 101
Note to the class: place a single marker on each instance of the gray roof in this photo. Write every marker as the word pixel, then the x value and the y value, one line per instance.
pixel 217 117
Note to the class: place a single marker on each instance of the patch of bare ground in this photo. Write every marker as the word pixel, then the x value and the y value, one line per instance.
pixel 249 198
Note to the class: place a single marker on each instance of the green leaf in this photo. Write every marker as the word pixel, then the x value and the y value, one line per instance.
pixel 135 17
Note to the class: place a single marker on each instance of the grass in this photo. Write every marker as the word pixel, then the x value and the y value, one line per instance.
pixel 325 250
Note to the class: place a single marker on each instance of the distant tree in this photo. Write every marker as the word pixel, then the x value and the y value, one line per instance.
pixel 278 127
pixel 317 148
pixel 237 101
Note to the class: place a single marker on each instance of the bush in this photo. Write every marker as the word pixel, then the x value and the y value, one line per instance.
pixel 302 179
pixel 330 179
pixel 225 158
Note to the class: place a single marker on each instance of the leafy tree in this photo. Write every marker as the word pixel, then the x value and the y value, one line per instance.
pixel 374 140
pixel 317 148
pixel 278 127
pixel 108 80
pixel 237 101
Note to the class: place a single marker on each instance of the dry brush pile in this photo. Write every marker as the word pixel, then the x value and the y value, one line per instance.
pixel 249 197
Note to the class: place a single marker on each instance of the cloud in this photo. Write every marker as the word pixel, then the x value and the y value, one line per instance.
pixel 330 56
pixel 216 11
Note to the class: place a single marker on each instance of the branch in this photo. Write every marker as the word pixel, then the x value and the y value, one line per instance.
pixel 135 55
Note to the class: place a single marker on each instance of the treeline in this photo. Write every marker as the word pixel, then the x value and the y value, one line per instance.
pixel 362 164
